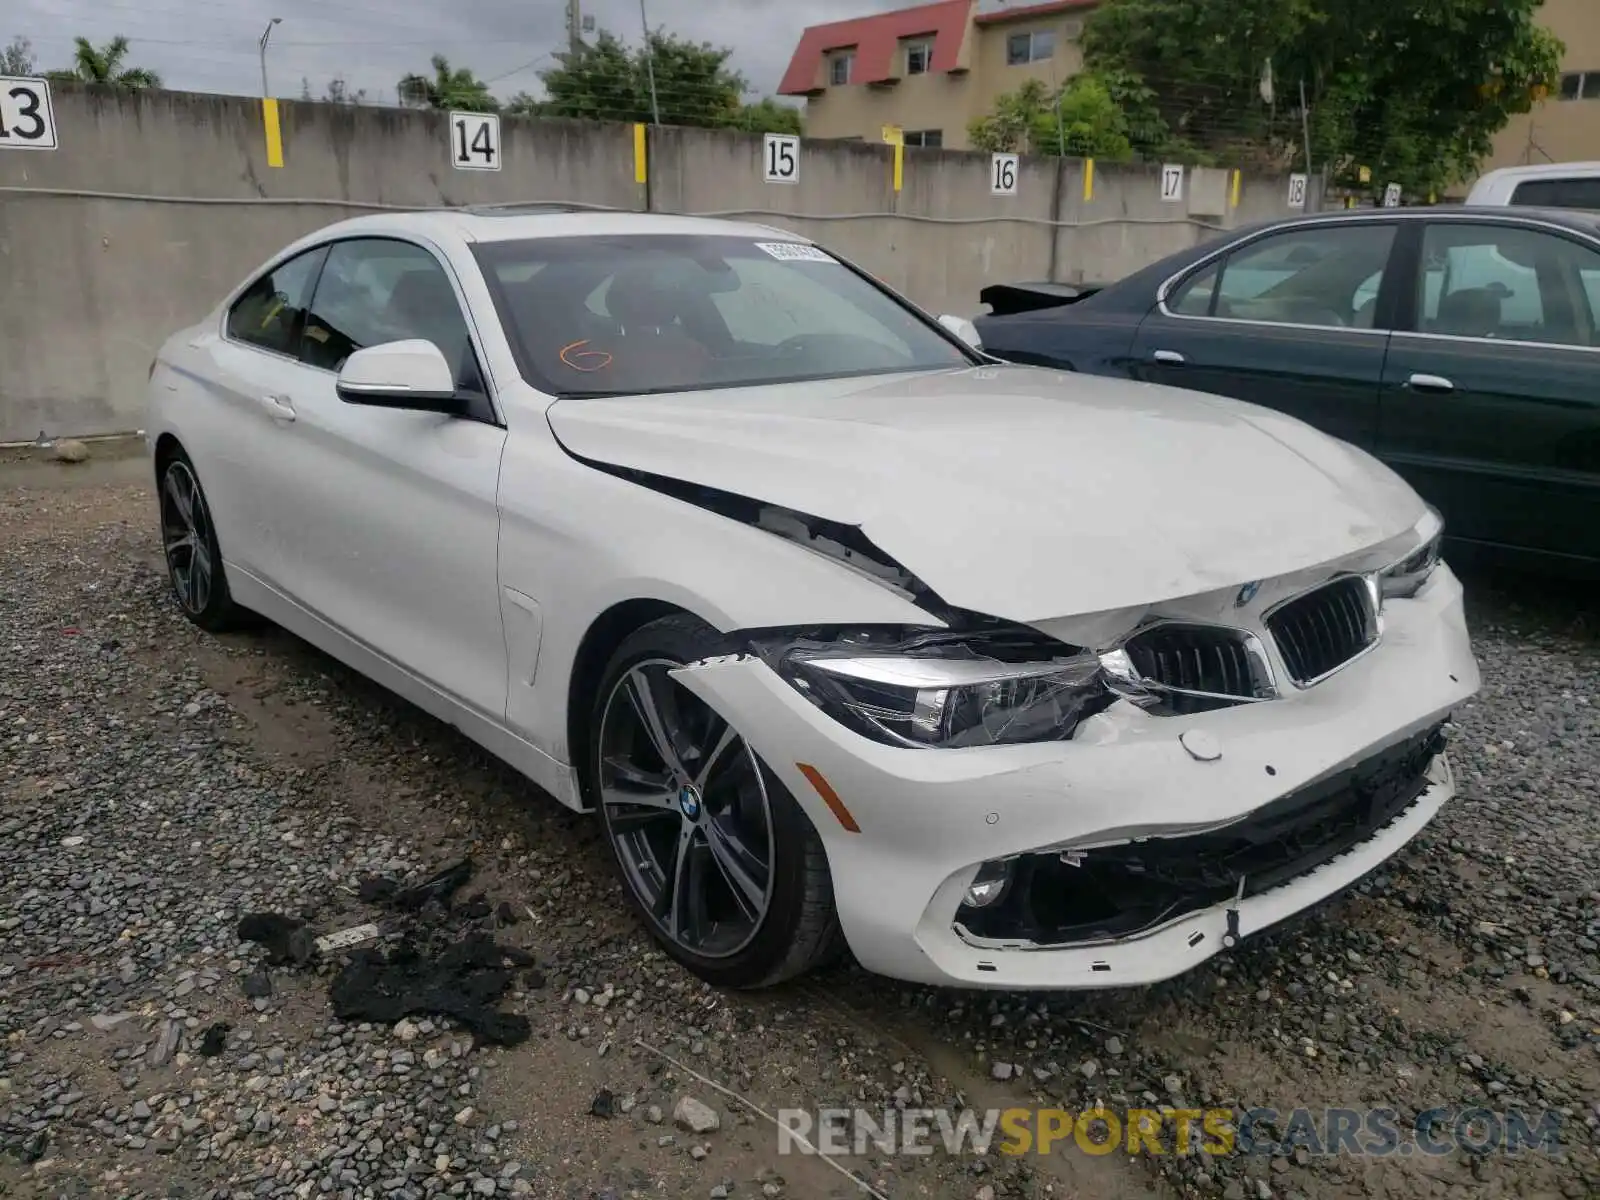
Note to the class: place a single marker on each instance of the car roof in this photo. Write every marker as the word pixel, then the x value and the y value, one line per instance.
pixel 507 223
pixel 1580 220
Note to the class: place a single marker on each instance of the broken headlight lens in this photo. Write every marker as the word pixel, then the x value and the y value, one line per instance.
pixel 1407 577
pixel 948 692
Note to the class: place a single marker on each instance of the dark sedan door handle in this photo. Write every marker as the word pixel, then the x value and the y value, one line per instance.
pixel 1430 383
pixel 1170 357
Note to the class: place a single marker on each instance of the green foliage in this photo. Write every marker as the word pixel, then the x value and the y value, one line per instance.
pixel 606 80
pixel 1082 119
pixel 102 65
pixel 1413 89
pixel 17 58
pixel 449 88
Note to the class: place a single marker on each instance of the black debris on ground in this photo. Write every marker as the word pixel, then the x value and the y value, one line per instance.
pixel 214 1040
pixel 257 985
pixel 604 1103
pixel 440 888
pixel 462 981
pixel 287 940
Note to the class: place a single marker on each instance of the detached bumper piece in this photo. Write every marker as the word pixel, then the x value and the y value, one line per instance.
pixel 1121 891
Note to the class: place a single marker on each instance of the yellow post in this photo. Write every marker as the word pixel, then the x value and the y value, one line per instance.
pixel 896 137
pixel 641 165
pixel 269 120
pixel 1238 183
pixel 1088 180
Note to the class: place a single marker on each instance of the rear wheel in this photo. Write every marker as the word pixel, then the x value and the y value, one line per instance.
pixel 189 543
pixel 719 860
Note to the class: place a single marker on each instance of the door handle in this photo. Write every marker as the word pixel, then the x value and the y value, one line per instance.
pixel 1430 383
pixel 279 408
pixel 1171 357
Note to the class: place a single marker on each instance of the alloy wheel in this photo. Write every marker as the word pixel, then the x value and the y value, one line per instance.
pixel 685 804
pixel 186 537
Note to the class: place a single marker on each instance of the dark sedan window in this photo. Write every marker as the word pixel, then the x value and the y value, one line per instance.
pixel 1558 193
pixel 1321 275
pixel 1509 283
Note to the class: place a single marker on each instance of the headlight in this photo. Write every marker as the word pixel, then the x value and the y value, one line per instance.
pixel 1406 577
pixel 943 689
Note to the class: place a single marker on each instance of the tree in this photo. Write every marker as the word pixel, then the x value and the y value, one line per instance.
pixel 1413 89
pixel 606 80
pixel 103 65
pixel 337 92
pixel 449 88
pixel 17 58
pixel 1082 118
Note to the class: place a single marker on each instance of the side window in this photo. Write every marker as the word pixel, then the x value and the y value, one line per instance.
pixel 377 290
pixel 1326 276
pixel 1558 193
pixel 1503 281
pixel 1193 296
pixel 272 309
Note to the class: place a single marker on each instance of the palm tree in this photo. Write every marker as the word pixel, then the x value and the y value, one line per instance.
pixel 104 66
pixel 449 88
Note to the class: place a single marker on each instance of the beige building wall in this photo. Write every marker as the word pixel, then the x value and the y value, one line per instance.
pixel 947 102
pixel 1559 130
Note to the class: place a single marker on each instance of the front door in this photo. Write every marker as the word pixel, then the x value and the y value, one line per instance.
pixel 1290 320
pixel 394 515
pixel 1490 406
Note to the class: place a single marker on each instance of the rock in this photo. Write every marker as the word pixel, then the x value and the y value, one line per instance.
pixel 695 1116
pixel 406 1030
pixel 1001 1071
pixel 106 1022
pixel 1113 1045
pixel 464 1117
pixel 166 1045
pixel 70 450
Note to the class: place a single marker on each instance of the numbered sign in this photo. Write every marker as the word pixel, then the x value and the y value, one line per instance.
pixel 1003 175
pixel 475 141
pixel 1172 183
pixel 26 120
pixel 1297 191
pixel 780 158
pixel 1391 196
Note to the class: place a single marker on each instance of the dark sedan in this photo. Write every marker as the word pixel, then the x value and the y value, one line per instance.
pixel 1461 346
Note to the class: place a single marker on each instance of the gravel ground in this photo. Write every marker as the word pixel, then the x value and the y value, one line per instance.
pixel 156 784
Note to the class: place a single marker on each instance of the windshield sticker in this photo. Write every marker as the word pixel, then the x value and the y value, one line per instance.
pixel 796 252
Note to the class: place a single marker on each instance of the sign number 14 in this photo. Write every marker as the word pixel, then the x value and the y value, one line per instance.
pixel 475 141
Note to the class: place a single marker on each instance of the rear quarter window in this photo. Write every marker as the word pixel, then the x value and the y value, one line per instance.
pixel 1558 193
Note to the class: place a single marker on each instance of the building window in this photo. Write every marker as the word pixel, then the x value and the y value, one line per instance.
pixel 930 139
pixel 1032 47
pixel 839 69
pixel 1580 85
pixel 919 58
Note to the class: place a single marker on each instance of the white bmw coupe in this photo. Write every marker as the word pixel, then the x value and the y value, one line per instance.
pixel 849 634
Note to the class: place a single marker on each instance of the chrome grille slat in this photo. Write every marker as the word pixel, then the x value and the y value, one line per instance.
pixel 1319 632
pixel 1208 660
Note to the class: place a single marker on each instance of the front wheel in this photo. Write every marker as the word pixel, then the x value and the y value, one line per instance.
pixel 189 543
pixel 719 860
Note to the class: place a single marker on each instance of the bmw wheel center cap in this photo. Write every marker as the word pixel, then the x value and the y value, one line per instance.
pixel 689 802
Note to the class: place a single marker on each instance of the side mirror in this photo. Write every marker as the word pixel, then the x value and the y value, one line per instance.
pixel 963 329
pixel 411 375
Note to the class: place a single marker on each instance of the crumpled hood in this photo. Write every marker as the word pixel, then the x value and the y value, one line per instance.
pixel 1017 492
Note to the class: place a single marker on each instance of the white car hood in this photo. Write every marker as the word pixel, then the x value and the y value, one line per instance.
pixel 1022 493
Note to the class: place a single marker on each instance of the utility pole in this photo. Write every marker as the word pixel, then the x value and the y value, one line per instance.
pixel 574 26
pixel 266 36
pixel 649 63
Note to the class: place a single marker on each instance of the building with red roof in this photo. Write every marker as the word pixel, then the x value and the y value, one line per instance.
pixel 930 70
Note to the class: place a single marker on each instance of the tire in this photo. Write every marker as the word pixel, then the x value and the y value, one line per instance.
pixel 717 836
pixel 189 546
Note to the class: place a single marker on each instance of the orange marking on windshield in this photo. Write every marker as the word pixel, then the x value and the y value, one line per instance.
pixel 571 354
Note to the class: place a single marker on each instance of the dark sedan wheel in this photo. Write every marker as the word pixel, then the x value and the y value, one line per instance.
pixel 718 858
pixel 189 542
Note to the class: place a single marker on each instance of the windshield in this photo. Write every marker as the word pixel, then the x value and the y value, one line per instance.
pixel 607 316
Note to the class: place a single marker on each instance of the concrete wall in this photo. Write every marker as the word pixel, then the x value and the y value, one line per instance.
pixel 91 285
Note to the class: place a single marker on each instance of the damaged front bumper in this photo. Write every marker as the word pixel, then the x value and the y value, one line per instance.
pixel 1183 852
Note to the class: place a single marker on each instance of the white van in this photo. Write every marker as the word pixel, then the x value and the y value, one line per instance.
pixel 1549 185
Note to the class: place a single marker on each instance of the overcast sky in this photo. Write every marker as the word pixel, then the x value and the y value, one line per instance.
pixel 210 45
